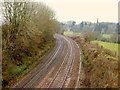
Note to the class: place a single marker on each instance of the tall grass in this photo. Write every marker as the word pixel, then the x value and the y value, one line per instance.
pixel 100 66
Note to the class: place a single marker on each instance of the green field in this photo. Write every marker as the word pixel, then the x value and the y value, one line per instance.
pixel 70 33
pixel 106 35
pixel 107 45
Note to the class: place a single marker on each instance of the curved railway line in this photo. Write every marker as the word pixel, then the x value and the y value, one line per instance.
pixel 59 69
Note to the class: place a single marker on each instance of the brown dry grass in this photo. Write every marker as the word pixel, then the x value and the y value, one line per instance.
pixel 100 66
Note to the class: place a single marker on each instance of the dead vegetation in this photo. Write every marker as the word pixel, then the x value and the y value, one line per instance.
pixel 99 66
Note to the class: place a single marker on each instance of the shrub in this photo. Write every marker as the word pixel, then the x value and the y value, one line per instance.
pixel 103 72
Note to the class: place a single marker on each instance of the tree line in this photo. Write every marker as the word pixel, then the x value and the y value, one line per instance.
pixel 26 23
pixel 26 28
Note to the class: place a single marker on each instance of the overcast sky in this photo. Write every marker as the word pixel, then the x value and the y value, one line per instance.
pixel 84 10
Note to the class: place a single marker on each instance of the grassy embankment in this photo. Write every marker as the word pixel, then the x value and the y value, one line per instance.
pixel 100 66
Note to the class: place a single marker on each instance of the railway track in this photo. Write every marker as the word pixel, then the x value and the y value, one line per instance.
pixel 57 70
pixel 62 73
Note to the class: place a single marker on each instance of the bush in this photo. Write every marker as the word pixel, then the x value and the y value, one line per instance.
pixel 100 66
pixel 27 30
pixel 89 35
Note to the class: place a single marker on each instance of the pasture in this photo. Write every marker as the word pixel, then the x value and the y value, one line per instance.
pixel 108 45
